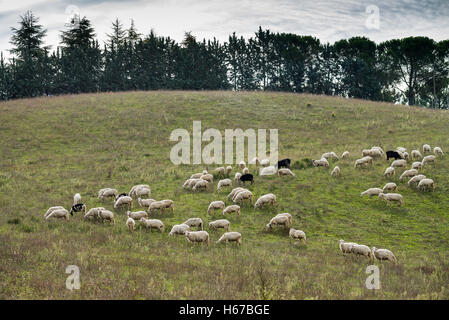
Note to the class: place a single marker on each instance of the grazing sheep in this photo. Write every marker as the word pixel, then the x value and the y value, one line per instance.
pixel 145 203
pixel 58 214
pixel 231 237
pixel 426 184
pixel 401 149
pixel 120 195
pixel 168 204
pixel 243 195
pixel 268 171
pixel 378 148
pixel 345 155
pixel 320 163
pixel 285 172
pixel 265 163
pixel 360 163
pixel 186 184
pixel 372 192
pixel 416 154
pixel 346 247
pixel 137 215
pixel 284 163
pixel 190 183
pixel 232 208
pixel 415 180
pixel 405 156
pixel 208 177
pixel 393 154
pixel 93 213
pixel 335 172
pixel 428 159
pixel 222 223
pixel 124 201
pixel 104 215
pixel 297 234
pixel 255 161
pixel 383 254
pixel 265 199
pixel 389 172
pixel 215 205
pixel 237 177
pixel 245 170
pixel 361 249
pixel 288 215
pixel 153 224
pixel 368 159
pixel 76 199
pixel 332 155
pixel 107 193
pixel 408 174
pixel 200 185
pixel 131 224
pixel 280 220
pixel 234 191
pixel 438 152
pixel 391 186
pixel 80 207
pixel 228 170
pixel 247 177
pixel 220 171
pixel 196 175
pixel 399 163
pixel 426 148
pixel 242 165
pixel 374 153
pixel 51 209
pixel 392 197
pixel 417 165
pixel 140 190
pixel 194 222
pixel 179 229
pixel 197 236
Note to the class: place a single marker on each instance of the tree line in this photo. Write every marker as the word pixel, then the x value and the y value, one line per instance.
pixel 413 70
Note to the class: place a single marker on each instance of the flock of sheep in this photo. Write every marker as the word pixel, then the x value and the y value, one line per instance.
pixel 205 181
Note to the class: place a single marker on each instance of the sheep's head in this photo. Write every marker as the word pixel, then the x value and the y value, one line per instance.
pixel 341 241
pixel 381 195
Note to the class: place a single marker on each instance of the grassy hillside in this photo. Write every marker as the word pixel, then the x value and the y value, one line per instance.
pixel 51 148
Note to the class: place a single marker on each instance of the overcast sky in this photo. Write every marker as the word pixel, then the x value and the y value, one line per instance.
pixel 328 20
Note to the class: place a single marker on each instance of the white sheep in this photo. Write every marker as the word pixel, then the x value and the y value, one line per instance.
pixel 137 215
pixel 297 234
pixel 231 237
pixel 428 159
pixel 401 149
pixel 255 161
pixel 201 185
pixel 288 215
pixel 208 177
pixel 346 247
pixel 197 236
pixel 245 170
pixel 415 180
pixel 77 199
pixel 417 165
pixel 179 229
pixel 131 224
pixel 221 223
pixel 426 148
pixel 268 171
pixel 224 183
pixel 360 163
pixel 374 153
pixel 335 172
pixel 265 199
pixel 168 204
pixel 361 249
pixel 220 171
pixel 242 165
pixel 194 222
pixel 93 213
pixel 265 163
pixel 232 208
pixel 426 184
pixel 383 254
pixel 192 183
pixel 140 190
pixel 438 152
pixel 243 195
pixel 215 205
pixel 408 174
pixel 145 203
pixel 234 191
pixel 107 193
pixel 153 224
pixel 345 155
pixel 58 214
pixel 401 163
pixel 124 201
pixel 196 175
pixel 391 186
pixel 280 220
pixel 51 209
pixel 285 172
pixel 372 192
pixel 416 154
pixel 368 159
pixel 331 155
pixel 389 172
pixel 406 156
pixel 237 177
pixel 104 215
pixel 378 148
pixel 321 163
pixel 228 170
pixel 392 197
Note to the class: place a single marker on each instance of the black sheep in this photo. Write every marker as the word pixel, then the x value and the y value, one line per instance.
pixel 284 163
pixel 77 208
pixel 393 154
pixel 247 177
pixel 121 195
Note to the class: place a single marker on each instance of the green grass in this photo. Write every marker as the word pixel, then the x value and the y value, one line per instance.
pixel 52 148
